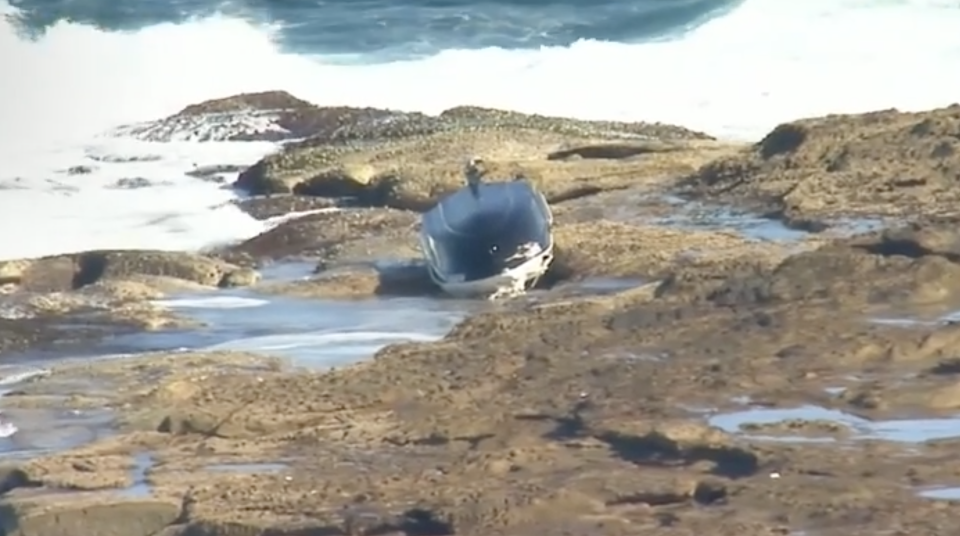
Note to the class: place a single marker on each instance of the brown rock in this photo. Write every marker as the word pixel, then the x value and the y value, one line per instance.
pixel 320 235
pixel 410 161
pixel 886 163
pixel 79 318
pixel 608 249
pixel 266 100
pixel 17 334
pixel 884 268
pixel 68 272
pixel 66 512
pixel 265 116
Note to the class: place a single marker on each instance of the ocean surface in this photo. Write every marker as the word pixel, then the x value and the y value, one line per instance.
pixel 75 69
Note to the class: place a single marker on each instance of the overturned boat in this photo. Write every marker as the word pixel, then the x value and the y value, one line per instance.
pixel 488 239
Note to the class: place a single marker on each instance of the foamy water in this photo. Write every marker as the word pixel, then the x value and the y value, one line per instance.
pixel 737 76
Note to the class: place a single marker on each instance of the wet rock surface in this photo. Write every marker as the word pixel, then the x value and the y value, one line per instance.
pixel 669 379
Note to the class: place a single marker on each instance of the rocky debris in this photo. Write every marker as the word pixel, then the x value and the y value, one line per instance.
pixel 132 183
pixel 214 173
pixel 797 428
pixel 80 170
pixel 881 163
pixel 124 159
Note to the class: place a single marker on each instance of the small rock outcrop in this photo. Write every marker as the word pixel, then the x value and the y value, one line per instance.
pixel 885 163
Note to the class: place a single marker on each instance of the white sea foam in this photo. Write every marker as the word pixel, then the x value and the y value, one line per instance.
pixel 14 374
pixel 765 62
pixel 212 302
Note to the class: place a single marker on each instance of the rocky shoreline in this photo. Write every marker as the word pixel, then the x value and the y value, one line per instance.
pixel 573 413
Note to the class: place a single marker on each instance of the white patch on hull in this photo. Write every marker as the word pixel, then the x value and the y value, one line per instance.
pixel 509 283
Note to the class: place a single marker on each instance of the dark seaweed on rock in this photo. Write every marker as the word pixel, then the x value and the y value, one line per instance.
pixel 340 125
pixel 265 100
pixel 467 115
pixel 344 125
pixel 332 126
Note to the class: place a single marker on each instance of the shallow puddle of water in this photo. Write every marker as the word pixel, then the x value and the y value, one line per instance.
pixel 900 430
pixel 750 226
pixel 904 322
pixel 247 468
pixel 914 319
pixel 695 215
pixel 13 374
pixel 854 226
pixel 606 285
pixel 36 431
pixel 139 487
pixel 943 494
pixel 25 432
pixel 287 271
pixel 314 333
